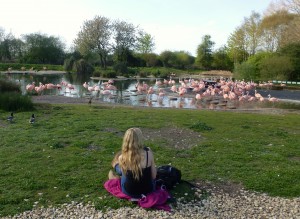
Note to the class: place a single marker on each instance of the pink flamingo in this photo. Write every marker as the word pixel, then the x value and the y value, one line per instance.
pixel 174 88
pixel 161 93
pixel 106 92
pixel 150 92
pixel 181 91
pixel 198 97
pixel 110 87
pixel 85 85
pixel 272 99
pixel 257 95
pixel 158 83
pixel 30 87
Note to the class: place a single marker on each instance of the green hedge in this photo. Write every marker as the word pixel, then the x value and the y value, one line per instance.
pixel 11 98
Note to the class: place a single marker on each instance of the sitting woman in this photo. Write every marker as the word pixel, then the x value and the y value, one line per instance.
pixel 135 164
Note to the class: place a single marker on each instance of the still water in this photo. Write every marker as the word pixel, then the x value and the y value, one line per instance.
pixel 126 92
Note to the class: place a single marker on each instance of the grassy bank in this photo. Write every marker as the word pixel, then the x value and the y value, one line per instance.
pixel 65 156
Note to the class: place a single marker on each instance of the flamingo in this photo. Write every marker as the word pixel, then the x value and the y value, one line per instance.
pixel 110 87
pixel 85 85
pixel 272 99
pixel 91 89
pixel 106 92
pixel 150 91
pixel 174 88
pixel 110 81
pixel 181 91
pixel 158 83
pixel 161 93
pixel 30 87
pixel 198 97
pixel 257 95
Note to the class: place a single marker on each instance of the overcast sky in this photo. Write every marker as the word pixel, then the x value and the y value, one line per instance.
pixel 174 24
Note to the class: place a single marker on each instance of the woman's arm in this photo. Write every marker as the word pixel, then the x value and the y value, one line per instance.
pixel 115 161
pixel 153 167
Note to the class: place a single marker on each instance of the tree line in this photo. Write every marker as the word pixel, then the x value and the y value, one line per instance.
pixel 262 47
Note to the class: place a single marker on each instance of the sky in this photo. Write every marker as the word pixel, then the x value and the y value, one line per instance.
pixel 176 25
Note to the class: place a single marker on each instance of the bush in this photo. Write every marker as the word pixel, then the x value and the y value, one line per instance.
pixel 11 98
pixel 11 101
pixel 7 86
pixel 121 68
pixel 96 74
pixel 82 67
pixel 110 74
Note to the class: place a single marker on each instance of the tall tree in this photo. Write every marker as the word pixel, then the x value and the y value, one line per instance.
pixel 276 30
pixel 221 59
pixel 95 37
pixel 11 48
pixel 237 45
pixel 145 43
pixel 253 32
pixel 43 49
pixel 168 58
pixel 124 36
pixel 292 5
pixel 204 53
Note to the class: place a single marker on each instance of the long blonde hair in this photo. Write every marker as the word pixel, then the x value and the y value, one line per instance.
pixel 131 152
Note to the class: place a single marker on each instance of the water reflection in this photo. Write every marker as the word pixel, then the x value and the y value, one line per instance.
pixel 126 92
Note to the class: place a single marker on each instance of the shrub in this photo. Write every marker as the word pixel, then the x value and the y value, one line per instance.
pixel 11 101
pixel 121 68
pixel 7 86
pixel 110 74
pixel 11 98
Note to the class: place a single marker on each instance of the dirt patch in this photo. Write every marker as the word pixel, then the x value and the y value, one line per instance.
pixel 174 137
pixel 178 138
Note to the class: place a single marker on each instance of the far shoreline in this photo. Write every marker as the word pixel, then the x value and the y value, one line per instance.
pixel 42 72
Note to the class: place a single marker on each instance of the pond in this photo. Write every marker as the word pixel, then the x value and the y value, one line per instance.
pixel 129 91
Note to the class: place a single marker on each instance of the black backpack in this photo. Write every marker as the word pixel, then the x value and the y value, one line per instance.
pixel 168 176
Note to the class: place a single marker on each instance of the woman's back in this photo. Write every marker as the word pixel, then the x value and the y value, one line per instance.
pixel 144 185
pixel 135 165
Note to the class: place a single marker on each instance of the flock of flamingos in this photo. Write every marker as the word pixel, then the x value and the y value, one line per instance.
pixel 218 92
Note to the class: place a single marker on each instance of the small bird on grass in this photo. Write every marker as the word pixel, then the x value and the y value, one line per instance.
pixel 90 101
pixel 11 117
pixel 32 119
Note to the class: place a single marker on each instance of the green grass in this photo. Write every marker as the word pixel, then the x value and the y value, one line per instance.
pixel 65 156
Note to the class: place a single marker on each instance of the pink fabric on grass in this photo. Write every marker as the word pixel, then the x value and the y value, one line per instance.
pixel 156 199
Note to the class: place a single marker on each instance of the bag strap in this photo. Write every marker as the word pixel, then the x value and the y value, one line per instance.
pixel 146 159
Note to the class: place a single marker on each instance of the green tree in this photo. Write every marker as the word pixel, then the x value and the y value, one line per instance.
pixel 148 59
pixel 245 70
pixel 252 26
pixel 43 49
pixel 11 48
pixel 293 52
pixel 183 60
pixel 204 53
pixel 95 37
pixel 276 31
pixel 276 68
pixel 237 46
pixel 124 36
pixel 168 58
pixel 145 43
pixel 221 59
